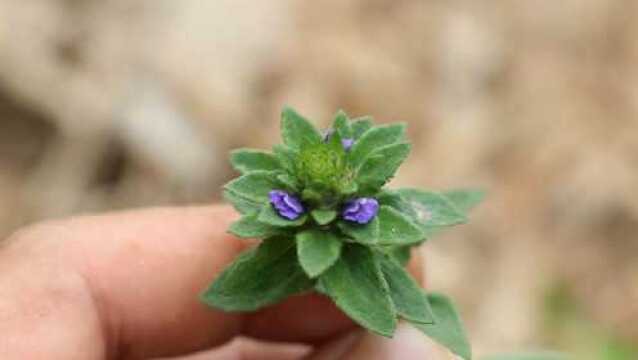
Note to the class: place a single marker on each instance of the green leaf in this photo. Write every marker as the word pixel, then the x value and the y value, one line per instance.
pixel 296 131
pixel 249 227
pixel 360 126
pixel 245 160
pixel 287 157
pixel 432 209
pixel 242 205
pixel 341 125
pixel 447 329
pixel 355 284
pixel 317 250
pixel 400 254
pixel 254 186
pixel 409 299
pixel 362 233
pixel 259 277
pixel 465 199
pixel 289 182
pixel 380 166
pixel 323 217
pixel 268 215
pixel 541 355
pixel 374 139
pixel 397 229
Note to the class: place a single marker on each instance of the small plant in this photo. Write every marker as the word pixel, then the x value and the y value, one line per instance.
pixel 329 225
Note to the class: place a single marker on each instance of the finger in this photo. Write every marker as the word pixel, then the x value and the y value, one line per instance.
pixel 407 343
pixel 144 271
pixel 244 348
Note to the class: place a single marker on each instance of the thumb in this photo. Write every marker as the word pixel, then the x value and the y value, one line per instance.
pixel 408 343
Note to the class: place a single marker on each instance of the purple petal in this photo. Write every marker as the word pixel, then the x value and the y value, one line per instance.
pixel 289 214
pixel 286 205
pixel 276 196
pixel 347 143
pixel 293 203
pixel 361 210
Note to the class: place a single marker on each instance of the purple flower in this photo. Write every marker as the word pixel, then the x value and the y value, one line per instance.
pixel 361 210
pixel 286 205
pixel 346 143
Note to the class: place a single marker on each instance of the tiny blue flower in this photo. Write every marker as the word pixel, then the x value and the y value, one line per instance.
pixel 361 210
pixel 287 205
pixel 346 143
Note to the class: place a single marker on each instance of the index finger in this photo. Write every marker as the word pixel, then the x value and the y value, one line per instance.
pixel 145 270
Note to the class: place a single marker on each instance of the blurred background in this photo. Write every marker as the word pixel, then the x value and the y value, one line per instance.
pixel 128 103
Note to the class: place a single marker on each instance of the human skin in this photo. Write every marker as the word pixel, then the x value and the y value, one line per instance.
pixel 125 286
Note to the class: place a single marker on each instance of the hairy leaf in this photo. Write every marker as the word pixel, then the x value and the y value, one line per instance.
pixel 409 299
pixel 374 139
pixel 397 229
pixel 341 125
pixel 259 277
pixel 400 254
pixel 360 126
pixel 287 157
pixel 254 186
pixel 245 160
pixel 323 217
pixel 296 131
pixel 465 199
pixel 379 167
pixel 249 227
pixel 447 329
pixel 362 233
pixel 242 205
pixel 355 284
pixel 268 215
pixel 432 209
pixel 317 250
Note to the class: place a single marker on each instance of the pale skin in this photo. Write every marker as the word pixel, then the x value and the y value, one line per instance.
pixel 125 286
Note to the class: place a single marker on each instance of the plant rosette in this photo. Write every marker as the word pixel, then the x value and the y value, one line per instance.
pixel 329 225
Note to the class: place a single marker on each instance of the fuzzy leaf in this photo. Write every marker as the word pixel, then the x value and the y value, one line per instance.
pixel 400 254
pixel 341 125
pixel 447 329
pixel 249 227
pixel 432 209
pixel 296 131
pixel 374 139
pixel 465 199
pixel 362 233
pixel 317 250
pixel 323 217
pixel 287 157
pixel 380 166
pixel 355 284
pixel 289 182
pixel 254 186
pixel 542 355
pixel 259 277
pixel 360 126
pixel 245 160
pixel 268 215
pixel 396 228
pixel 409 299
pixel 242 205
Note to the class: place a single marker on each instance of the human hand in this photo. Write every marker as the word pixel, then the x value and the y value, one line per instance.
pixel 126 285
